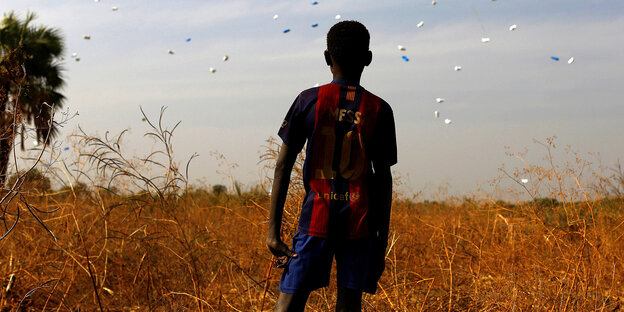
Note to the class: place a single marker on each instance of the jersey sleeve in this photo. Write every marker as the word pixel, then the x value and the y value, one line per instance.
pixel 384 145
pixel 292 130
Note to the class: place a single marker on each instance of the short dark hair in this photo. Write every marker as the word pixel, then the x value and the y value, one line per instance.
pixel 347 43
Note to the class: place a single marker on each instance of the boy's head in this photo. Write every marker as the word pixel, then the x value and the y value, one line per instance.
pixel 347 47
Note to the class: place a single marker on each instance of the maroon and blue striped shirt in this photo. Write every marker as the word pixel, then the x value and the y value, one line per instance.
pixel 348 130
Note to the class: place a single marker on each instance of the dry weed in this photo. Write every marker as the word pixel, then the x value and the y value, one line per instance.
pixel 139 238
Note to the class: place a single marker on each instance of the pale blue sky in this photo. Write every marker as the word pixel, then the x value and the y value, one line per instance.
pixel 508 92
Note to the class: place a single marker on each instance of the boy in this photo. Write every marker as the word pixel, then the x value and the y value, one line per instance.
pixel 351 144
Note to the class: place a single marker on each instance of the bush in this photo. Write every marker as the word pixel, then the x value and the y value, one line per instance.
pixel 34 181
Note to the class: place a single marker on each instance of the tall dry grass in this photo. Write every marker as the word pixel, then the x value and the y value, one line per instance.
pixel 137 237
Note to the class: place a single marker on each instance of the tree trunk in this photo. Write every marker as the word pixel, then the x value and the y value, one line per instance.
pixel 7 137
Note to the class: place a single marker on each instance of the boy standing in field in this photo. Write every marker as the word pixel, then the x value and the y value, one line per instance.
pixel 351 144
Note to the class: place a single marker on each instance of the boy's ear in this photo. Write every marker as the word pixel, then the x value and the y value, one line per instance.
pixel 328 59
pixel 368 58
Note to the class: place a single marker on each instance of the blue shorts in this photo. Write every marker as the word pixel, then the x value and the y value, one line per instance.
pixel 359 264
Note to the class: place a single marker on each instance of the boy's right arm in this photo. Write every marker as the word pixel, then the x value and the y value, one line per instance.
pixel 281 179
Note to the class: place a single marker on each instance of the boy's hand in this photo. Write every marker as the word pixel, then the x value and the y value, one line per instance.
pixel 280 251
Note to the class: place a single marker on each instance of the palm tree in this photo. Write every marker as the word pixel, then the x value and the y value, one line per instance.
pixel 30 81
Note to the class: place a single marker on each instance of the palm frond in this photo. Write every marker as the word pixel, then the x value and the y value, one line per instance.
pixel 31 51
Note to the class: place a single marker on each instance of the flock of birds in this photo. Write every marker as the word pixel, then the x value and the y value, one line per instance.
pixel 170 51
pixel 401 48
pixel 458 68
pixel 420 24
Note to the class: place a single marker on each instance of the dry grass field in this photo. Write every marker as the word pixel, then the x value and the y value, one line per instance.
pixel 129 241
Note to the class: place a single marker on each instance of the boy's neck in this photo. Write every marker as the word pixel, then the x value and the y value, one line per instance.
pixel 352 79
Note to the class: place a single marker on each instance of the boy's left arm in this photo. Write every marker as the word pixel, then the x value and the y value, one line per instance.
pixel 281 179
